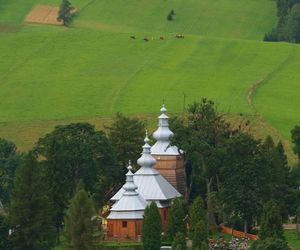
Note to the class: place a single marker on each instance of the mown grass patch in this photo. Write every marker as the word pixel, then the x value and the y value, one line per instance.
pixel 293 239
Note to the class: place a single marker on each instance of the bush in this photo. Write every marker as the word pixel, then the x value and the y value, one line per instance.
pixel 170 17
pixel 270 244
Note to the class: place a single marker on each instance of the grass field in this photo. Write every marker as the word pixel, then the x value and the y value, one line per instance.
pixel 293 239
pixel 51 75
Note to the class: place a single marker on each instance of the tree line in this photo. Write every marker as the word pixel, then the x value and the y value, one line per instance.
pixel 37 188
pixel 288 24
pixel 232 178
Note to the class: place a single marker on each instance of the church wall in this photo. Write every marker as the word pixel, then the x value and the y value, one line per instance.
pixel 124 230
pixel 171 167
pixel 164 215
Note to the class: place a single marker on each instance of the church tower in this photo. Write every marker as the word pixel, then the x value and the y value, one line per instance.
pixel 169 161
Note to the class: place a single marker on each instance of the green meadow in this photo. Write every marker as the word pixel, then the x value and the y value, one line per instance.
pixel 51 75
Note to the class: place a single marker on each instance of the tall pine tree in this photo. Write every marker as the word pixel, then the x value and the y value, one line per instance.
pixel 79 225
pixel 151 231
pixel 31 210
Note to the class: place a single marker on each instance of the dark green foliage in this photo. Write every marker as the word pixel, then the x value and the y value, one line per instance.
pixel 126 136
pixel 245 176
pixel 77 152
pixel 196 214
pixel 4 227
pixel 271 36
pixel 298 214
pixel 200 235
pixel 292 197
pixel 176 222
pixel 171 15
pixel 271 222
pixel 31 211
pixel 9 161
pixel 280 170
pixel 65 13
pixel 296 140
pixel 203 134
pixel 179 241
pixel 78 221
pixel 293 23
pixel 270 244
pixel 151 231
pixel 288 26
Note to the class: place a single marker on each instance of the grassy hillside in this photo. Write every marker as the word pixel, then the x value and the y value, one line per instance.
pixel 94 69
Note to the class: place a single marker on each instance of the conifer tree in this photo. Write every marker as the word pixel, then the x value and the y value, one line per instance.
pixel 31 212
pixel 151 231
pixel 179 241
pixel 200 235
pixel 176 222
pixel 271 223
pixel 196 214
pixel 78 221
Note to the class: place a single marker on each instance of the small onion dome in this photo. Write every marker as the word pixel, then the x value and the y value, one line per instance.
pixel 131 204
pixel 146 160
pixel 163 135
pixel 129 187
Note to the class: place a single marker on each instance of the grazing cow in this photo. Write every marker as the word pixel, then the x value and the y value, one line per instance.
pixel 146 39
pixel 179 36
pixel 132 37
pixel 162 38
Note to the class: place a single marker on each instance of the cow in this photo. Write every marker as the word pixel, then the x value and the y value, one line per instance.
pixel 179 36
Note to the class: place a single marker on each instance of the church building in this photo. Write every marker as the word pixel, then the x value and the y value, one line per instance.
pixel 160 179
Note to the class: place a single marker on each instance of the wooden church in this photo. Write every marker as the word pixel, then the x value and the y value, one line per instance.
pixel 160 179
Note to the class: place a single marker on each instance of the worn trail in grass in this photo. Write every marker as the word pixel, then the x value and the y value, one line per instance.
pixel 50 74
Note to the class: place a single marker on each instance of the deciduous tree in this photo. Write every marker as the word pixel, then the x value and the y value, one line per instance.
pixel 126 135
pixel 202 134
pixel 65 13
pixel 77 152
pixel 245 176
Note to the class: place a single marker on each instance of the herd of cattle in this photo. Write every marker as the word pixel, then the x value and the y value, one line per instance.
pixel 146 39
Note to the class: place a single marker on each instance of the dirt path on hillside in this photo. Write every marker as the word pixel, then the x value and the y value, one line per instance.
pixel 264 123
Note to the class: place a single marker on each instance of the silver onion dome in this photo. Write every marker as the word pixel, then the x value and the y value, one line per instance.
pixel 146 160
